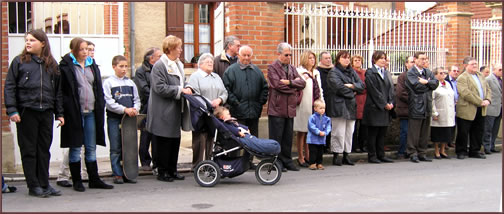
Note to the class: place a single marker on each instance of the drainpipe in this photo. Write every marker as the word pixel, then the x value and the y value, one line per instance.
pixel 132 36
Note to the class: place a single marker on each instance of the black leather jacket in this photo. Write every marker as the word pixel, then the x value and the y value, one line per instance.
pixel 29 85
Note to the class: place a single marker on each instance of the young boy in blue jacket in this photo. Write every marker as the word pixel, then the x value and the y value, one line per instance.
pixel 319 127
pixel 121 97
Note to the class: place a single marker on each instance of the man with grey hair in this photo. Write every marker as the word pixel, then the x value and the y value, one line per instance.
pixel 285 86
pixel 494 110
pixel 142 80
pixel 451 78
pixel 474 98
pixel 228 55
pixel 247 90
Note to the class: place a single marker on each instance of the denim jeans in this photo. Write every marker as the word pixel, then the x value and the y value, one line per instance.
pixel 89 126
pixel 114 135
pixel 403 135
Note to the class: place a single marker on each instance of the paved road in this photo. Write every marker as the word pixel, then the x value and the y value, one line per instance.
pixel 468 185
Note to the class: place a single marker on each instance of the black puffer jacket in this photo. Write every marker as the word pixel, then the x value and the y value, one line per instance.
pixel 341 99
pixel 29 85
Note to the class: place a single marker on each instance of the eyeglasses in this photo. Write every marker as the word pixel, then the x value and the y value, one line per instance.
pixel 455 70
pixel 287 55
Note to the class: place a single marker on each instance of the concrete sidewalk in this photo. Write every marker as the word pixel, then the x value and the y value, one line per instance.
pixel 185 159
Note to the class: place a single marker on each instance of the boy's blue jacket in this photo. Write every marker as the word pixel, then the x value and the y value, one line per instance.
pixel 316 124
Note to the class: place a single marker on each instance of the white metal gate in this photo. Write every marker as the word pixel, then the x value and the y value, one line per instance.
pixel 329 27
pixel 486 42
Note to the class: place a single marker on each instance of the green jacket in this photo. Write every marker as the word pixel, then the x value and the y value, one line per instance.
pixel 247 91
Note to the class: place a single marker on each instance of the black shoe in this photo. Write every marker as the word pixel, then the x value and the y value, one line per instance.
pixel 10 189
pixel 291 167
pixel 302 164
pixel 337 160
pixel 252 166
pixel 346 159
pixel 386 160
pixel 437 157
pixel 177 176
pixel 488 152
pixel 414 159
pixel 131 181
pixel 460 156
pixel 444 156
pixel 63 184
pixel 363 149
pixel 424 158
pixel 494 150
pixel 51 191
pixel 38 192
pixel 284 169
pixel 451 145
pixel 373 160
pixel 165 178
pixel 481 156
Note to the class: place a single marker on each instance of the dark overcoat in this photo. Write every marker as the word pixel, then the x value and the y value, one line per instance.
pixel 380 92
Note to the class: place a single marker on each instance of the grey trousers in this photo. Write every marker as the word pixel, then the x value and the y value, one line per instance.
pixel 418 136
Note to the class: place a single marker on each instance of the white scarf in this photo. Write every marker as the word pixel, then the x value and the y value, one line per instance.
pixel 173 68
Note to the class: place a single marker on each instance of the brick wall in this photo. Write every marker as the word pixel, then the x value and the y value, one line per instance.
pixel 458 31
pixel 5 64
pixel 259 25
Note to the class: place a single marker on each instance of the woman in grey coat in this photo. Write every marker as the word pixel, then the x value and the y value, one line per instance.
pixel 168 110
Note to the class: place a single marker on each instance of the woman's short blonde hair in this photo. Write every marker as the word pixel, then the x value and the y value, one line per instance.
pixel 170 43
pixel 355 56
pixel 304 59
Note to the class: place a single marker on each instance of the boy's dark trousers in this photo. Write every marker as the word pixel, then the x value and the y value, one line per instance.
pixel 316 153
pixel 34 134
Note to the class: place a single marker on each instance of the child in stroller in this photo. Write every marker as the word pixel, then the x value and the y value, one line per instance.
pixel 267 146
pixel 224 161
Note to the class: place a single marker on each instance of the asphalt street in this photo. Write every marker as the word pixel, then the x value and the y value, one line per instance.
pixel 470 185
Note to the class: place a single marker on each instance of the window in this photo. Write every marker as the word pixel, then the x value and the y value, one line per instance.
pixel 197 31
pixel 19 17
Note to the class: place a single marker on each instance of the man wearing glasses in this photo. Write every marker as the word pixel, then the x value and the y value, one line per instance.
pixel 473 99
pixel 284 86
pixel 494 110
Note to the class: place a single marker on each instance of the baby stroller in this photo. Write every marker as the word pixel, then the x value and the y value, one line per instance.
pixel 226 160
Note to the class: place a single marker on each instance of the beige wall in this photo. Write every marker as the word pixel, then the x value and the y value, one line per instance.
pixel 150 27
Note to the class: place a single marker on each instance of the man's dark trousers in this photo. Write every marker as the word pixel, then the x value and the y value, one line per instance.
pixel 281 130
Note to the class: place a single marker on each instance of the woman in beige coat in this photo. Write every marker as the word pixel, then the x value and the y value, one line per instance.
pixel 311 92
pixel 443 114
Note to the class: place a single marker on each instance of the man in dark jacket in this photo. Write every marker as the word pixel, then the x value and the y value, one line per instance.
pixel 284 86
pixel 402 107
pixel 420 83
pixel 228 55
pixel 247 90
pixel 142 80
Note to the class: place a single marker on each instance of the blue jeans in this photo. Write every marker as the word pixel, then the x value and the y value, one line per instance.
pixel 89 126
pixel 114 135
pixel 403 135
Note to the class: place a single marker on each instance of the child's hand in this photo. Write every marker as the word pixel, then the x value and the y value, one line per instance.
pixel 241 134
pixel 322 134
pixel 130 112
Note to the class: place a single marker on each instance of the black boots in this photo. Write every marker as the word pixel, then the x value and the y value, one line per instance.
pixel 75 169
pixel 94 178
pixel 337 160
pixel 346 159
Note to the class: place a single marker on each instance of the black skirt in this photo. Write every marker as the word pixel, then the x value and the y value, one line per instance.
pixel 442 134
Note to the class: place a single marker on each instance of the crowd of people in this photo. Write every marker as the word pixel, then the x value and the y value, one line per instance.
pixel 340 107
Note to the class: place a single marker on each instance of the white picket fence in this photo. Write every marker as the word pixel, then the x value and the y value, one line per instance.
pixel 486 42
pixel 328 27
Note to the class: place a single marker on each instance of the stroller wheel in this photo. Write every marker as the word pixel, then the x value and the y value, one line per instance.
pixel 268 172
pixel 207 173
